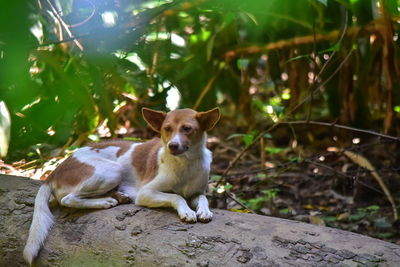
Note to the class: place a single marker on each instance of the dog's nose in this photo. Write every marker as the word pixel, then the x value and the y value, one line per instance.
pixel 173 146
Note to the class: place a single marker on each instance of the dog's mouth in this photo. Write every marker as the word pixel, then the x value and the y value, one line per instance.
pixel 178 152
pixel 177 149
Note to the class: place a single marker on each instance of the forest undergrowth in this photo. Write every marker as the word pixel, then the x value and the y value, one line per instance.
pixel 305 173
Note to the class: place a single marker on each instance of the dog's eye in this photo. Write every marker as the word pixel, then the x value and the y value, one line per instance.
pixel 167 128
pixel 186 128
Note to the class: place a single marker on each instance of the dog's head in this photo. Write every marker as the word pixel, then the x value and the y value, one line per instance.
pixel 182 128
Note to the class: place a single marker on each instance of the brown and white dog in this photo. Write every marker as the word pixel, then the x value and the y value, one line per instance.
pixel 162 172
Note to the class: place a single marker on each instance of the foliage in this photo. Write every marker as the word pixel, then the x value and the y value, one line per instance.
pixel 381 226
pixel 256 59
pixel 247 138
pixel 257 203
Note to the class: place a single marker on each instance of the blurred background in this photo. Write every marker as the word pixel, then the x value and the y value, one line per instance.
pixel 309 92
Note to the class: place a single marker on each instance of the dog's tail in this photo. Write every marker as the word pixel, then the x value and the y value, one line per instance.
pixel 41 223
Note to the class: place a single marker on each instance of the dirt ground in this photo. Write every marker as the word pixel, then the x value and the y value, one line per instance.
pixel 305 174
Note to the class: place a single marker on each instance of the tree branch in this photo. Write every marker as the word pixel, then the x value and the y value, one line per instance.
pixel 327 124
pixel 62 22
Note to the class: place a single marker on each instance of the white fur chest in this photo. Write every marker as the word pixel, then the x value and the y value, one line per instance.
pixel 187 175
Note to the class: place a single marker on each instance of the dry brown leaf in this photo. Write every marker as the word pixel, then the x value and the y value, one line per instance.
pixel 359 160
pixel 343 216
pixel 315 219
pixel 364 162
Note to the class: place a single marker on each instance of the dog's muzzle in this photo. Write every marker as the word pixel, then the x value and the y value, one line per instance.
pixel 176 149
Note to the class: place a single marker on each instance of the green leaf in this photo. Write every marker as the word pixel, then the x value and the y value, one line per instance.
pixel 284 211
pixel 242 63
pixel 248 139
pixel 358 216
pixel 382 223
pixel 251 17
pixel 94 137
pixel 296 159
pixel 210 46
pixel 215 178
pixel 270 193
pixel 261 175
pixel 275 150
pixel 373 208
pixel 255 203
pixel 383 235
pixel 334 48
pixel 229 17
pixel 227 187
pixel 268 136
pixel 93 120
pixel 329 219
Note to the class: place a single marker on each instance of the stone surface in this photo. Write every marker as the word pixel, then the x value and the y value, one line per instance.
pixel 127 235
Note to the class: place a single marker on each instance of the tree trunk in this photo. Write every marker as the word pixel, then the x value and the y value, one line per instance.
pixel 128 235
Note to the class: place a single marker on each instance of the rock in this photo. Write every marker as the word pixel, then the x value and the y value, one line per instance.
pixel 127 235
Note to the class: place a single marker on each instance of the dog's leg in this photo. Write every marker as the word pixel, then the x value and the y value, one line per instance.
pixel 125 194
pixel 200 203
pixel 128 189
pixel 74 201
pixel 107 176
pixel 151 198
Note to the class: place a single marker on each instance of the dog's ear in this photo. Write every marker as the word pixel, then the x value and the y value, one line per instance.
pixel 154 118
pixel 208 119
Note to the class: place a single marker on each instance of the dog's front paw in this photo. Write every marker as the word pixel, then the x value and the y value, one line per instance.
pixel 187 215
pixel 204 215
pixel 109 202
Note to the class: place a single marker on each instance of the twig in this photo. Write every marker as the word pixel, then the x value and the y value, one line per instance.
pixel 27 164
pixel 155 54
pixel 78 44
pixel 394 138
pixel 312 160
pixel 229 195
pixel 262 156
pixel 87 19
pixel 283 165
pixel 342 174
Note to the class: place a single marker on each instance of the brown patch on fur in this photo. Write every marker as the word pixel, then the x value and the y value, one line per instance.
pixel 154 118
pixel 208 119
pixel 70 173
pixel 145 160
pixel 122 144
